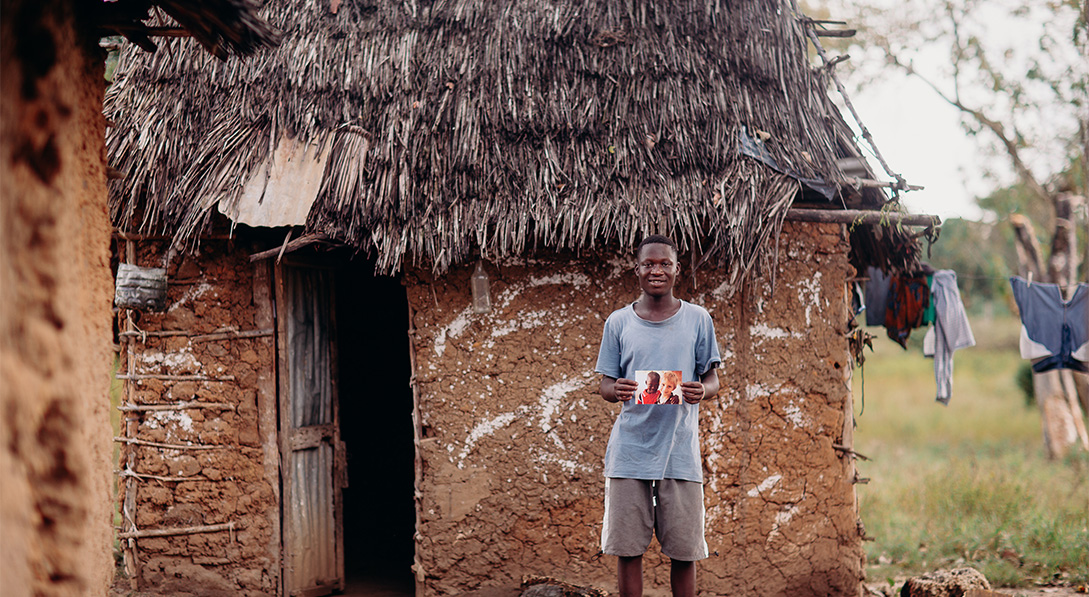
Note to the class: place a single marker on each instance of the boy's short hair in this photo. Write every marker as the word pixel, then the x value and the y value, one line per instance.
pixel 658 239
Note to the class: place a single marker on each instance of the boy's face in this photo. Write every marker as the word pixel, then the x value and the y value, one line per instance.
pixel 668 386
pixel 652 383
pixel 657 267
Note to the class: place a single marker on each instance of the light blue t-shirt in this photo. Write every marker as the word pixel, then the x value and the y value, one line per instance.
pixel 657 441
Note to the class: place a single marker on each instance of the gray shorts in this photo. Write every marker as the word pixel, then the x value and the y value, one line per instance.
pixel 636 510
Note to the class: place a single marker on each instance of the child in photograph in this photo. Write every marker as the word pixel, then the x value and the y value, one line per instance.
pixel 651 394
pixel 671 381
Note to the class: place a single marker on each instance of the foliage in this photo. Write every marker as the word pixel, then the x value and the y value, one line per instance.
pixel 1024 383
pixel 968 484
pixel 983 256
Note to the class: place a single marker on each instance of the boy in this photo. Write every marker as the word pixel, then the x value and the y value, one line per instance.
pixel 670 382
pixel 651 394
pixel 654 476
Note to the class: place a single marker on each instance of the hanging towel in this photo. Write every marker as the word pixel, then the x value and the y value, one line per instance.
pixel 1053 330
pixel 877 295
pixel 909 297
pixel 949 333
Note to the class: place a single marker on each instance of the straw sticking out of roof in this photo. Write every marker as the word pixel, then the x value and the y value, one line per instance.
pixel 460 127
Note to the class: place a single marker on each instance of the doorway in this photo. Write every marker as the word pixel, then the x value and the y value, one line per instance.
pixel 376 427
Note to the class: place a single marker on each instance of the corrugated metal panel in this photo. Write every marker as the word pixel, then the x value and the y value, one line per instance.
pixel 312 554
pixel 309 346
pixel 311 501
pixel 282 191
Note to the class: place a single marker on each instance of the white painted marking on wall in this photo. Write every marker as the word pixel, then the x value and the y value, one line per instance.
pixel 781 519
pixel 168 419
pixel 757 390
pixel 763 330
pixel 720 291
pixel 452 330
pixel 793 413
pixel 765 485
pixel 569 278
pixel 547 409
pixel 809 294
pixel 193 293
pixel 553 397
pixel 483 428
pixel 183 358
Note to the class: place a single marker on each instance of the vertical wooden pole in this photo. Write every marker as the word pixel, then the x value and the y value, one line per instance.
pixel 340 453
pixel 417 430
pixel 267 409
pixel 283 397
pixel 131 429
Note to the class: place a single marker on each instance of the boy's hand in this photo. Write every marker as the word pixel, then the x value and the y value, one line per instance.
pixel 617 390
pixel 693 391
pixel 624 389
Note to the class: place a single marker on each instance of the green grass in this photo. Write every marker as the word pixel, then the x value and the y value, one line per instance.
pixel 967 484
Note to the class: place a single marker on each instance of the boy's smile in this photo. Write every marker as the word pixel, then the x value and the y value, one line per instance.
pixel 657 269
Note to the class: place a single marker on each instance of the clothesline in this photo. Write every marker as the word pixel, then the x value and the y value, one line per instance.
pixel 1007 279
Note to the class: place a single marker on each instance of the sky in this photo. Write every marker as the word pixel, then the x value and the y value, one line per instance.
pixel 921 139
pixel 920 135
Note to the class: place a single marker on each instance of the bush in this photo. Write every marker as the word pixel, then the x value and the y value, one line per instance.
pixel 1024 383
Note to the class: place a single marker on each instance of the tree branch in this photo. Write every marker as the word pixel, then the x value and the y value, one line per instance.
pixel 994 126
pixel 1028 248
pixel 1062 266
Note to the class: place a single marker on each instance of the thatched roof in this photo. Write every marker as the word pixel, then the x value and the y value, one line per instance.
pixel 222 27
pixel 442 131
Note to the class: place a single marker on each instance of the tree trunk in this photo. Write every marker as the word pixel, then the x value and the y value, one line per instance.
pixel 1058 421
pixel 1081 380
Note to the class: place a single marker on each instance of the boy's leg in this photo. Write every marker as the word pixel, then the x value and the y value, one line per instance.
pixel 627 529
pixel 682 578
pixel 629 576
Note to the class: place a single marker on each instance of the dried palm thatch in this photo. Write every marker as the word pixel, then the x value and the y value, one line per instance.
pixel 460 128
pixel 221 26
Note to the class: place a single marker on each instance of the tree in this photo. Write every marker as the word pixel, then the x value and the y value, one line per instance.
pixel 1018 73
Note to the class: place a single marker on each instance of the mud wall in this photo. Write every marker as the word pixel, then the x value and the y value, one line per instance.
pixel 208 347
pixel 55 292
pixel 513 433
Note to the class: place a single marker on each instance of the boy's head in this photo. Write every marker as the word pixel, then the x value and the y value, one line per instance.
pixel 657 239
pixel 652 381
pixel 656 265
pixel 671 382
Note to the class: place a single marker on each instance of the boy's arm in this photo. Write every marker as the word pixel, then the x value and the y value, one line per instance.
pixel 706 387
pixel 617 390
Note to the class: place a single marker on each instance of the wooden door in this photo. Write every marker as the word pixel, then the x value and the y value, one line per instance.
pixel 311 452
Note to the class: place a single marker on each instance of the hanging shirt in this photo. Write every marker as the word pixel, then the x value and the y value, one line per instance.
pixel 1053 330
pixel 909 297
pixel 949 333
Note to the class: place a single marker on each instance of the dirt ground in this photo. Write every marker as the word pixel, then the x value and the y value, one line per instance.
pixel 120 589
pixel 883 590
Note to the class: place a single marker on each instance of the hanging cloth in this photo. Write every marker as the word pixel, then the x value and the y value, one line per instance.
pixel 929 312
pixel 909 296
pixel 877 295
pixel 949 333
pixel 1054 331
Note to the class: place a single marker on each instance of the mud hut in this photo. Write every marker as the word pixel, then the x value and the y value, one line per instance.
pixel 55 284
pixel 325 397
